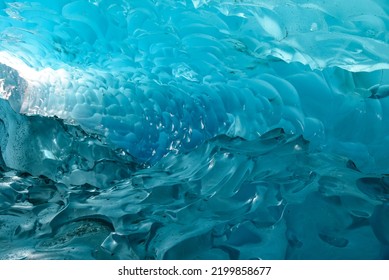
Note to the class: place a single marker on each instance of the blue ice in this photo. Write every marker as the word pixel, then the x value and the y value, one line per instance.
pixel 194 129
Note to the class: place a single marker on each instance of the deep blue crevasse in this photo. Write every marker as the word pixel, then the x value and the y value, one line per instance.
pixel 194 130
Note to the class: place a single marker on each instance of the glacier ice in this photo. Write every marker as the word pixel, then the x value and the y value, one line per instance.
pixel 194 129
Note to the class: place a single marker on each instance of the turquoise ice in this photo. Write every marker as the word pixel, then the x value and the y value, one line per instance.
pixel 136 129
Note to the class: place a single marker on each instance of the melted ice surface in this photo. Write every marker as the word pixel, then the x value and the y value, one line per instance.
pixel 157 77
pixel 220 123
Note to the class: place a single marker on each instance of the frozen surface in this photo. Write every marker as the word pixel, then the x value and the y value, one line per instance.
pixel 194 129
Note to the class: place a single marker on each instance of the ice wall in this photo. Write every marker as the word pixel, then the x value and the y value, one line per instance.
pixel 155 77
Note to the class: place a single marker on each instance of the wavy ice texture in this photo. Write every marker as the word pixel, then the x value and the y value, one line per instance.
pixel 194 129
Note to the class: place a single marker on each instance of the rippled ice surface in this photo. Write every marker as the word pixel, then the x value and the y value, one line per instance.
pixel 194 129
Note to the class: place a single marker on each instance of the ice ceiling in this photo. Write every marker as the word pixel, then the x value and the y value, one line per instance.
pixel 194 129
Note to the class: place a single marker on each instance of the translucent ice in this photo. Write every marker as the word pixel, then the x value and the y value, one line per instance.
pixel 135 129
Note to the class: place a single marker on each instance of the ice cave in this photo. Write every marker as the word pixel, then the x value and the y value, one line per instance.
pixel 194 129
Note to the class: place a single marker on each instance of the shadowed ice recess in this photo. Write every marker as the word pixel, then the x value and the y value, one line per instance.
pixel 150 129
